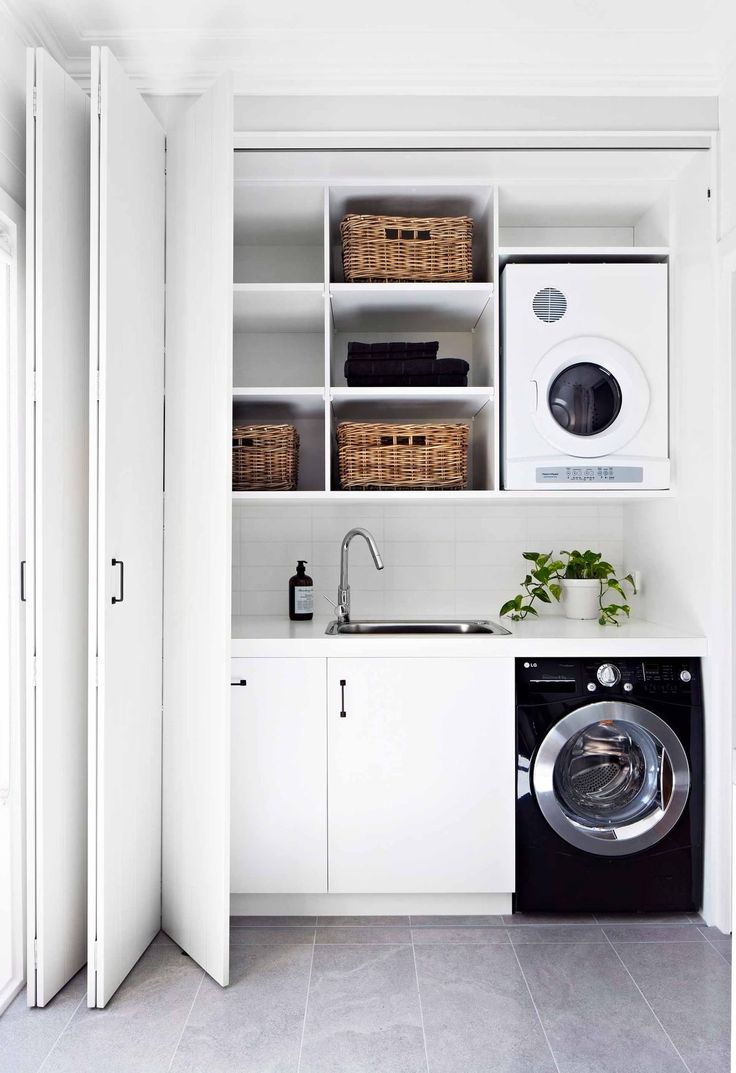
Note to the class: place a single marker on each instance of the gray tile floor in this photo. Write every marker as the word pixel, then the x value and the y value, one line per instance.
pixel 521 994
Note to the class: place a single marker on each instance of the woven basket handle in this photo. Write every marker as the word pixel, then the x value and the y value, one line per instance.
pixel 403 441
pixel 407 234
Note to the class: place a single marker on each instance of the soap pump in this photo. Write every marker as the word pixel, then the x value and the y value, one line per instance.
pixel 301 594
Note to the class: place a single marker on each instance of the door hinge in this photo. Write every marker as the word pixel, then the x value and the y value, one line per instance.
pixel 95 945
pixel 97 384
pixel 35 101
pixel 34 386
pixel 99 99
pixel 34 670
pixel 35 951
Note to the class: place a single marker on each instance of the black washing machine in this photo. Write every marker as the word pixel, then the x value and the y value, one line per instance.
pixel 609 785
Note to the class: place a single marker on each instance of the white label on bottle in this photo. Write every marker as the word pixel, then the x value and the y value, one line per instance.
pixel 304 600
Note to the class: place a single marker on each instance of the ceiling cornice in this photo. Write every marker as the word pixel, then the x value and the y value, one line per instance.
pixel 33 28
pixel 317 62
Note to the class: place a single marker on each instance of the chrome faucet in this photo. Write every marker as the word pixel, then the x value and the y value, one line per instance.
pixel 343 592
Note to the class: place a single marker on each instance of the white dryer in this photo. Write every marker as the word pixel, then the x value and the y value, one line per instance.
pixel 585 376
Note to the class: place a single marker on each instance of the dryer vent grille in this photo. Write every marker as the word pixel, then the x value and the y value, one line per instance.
pixel 549 304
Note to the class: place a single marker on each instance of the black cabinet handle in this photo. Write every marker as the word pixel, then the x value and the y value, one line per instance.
pixel 23 580
pixel 240 682
pixel 343 713
pixel 119 599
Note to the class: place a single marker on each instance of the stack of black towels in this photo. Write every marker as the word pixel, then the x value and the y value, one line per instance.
pixel 403 365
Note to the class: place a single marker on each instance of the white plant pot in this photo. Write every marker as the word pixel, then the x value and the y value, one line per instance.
pixel 580 598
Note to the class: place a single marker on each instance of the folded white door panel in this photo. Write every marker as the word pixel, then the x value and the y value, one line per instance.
pixel 126 520
pixel 57 358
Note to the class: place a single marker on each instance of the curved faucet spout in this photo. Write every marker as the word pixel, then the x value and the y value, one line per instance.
pixel 343 592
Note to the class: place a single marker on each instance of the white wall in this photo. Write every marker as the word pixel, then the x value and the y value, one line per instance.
pixel 440 559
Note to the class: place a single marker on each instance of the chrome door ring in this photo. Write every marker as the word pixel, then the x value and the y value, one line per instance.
pixel 636 836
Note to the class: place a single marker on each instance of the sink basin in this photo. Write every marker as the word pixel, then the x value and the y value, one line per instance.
pixel 368 626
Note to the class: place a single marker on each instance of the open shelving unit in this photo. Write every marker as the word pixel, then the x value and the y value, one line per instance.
pixel 294 314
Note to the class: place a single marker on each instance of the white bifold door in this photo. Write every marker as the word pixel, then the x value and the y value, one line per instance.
pixel 57 357
pixel 148 684
pixel 126 526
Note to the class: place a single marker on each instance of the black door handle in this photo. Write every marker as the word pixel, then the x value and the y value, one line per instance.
pixel 240 682
pixel 343 713
pixel 23 580
pixel 119 599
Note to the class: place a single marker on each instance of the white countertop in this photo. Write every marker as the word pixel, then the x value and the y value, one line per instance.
pixel 547 636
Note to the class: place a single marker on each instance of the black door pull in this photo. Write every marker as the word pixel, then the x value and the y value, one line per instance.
pixel 240 682
pixel 23 580
pixel 343 713
pixel 119 599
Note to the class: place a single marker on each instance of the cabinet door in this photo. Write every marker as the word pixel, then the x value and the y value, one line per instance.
pixel 279 776
pixel 57 395
pixel 199 383
pixel 421 775
pixel 126 569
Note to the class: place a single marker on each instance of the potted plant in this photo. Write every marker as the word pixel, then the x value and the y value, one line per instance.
pixel 582 580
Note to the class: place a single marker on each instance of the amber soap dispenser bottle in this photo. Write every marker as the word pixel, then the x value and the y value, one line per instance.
pixel 301 594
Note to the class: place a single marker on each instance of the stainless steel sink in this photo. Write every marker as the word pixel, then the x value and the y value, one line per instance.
pixel 368 626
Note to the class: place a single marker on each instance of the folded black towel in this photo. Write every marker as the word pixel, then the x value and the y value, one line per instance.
pixel 404 367
pixel 393 349
pixel 430 380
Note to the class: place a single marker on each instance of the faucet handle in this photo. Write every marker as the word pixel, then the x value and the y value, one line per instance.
pixel 335 607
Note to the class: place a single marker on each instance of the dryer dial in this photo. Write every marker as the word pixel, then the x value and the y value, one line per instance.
pixel 608 675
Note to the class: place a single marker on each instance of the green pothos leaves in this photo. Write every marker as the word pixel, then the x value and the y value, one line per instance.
pixel 542 583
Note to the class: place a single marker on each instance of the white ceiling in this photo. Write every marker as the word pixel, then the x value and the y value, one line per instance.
pixel 390 46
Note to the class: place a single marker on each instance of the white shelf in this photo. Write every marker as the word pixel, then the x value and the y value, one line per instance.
pixel 278 307
pixel 481 496
pixel 582 254
pixel 426 307
pixel 295 401
pixel 409 403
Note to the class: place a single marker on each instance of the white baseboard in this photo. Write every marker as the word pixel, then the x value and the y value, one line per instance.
pixel 7 994
pixel 368 904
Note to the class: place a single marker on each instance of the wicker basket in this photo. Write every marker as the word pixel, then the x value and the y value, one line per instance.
pixel 387 456
pixel 265 457
pixel 407 249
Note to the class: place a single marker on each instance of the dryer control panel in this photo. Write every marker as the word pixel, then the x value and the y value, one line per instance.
pixel 540 679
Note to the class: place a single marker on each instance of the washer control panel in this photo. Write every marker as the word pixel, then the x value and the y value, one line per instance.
pixel 608 678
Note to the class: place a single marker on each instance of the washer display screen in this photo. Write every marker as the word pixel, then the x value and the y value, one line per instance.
pixel 585 399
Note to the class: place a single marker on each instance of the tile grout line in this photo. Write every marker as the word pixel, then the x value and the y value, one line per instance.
pixel 654 1015
pixel 707 939
pixel 56 1041
pixel 419 998
pixel 306 1000
pixel 186 1020
pixel 533 1002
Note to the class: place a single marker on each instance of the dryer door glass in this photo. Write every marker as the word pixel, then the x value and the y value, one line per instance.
pixel 611 778
pixel 585 399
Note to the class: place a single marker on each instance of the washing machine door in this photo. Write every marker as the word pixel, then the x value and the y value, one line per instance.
pixel 589 396
pixel 611 778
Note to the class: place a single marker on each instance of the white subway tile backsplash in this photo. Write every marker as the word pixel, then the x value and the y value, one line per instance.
pixel 440 559
pixel 420 528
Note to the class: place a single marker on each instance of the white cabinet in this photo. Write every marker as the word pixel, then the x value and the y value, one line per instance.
pixel 421 775
pixel 279 776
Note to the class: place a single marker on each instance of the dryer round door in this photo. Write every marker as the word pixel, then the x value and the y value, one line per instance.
pixel 590 397
pixel 611 778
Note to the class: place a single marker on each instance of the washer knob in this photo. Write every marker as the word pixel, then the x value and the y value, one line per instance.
pixel 685 676
pixel 628 687
pixel 608 675
pixel 591 687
